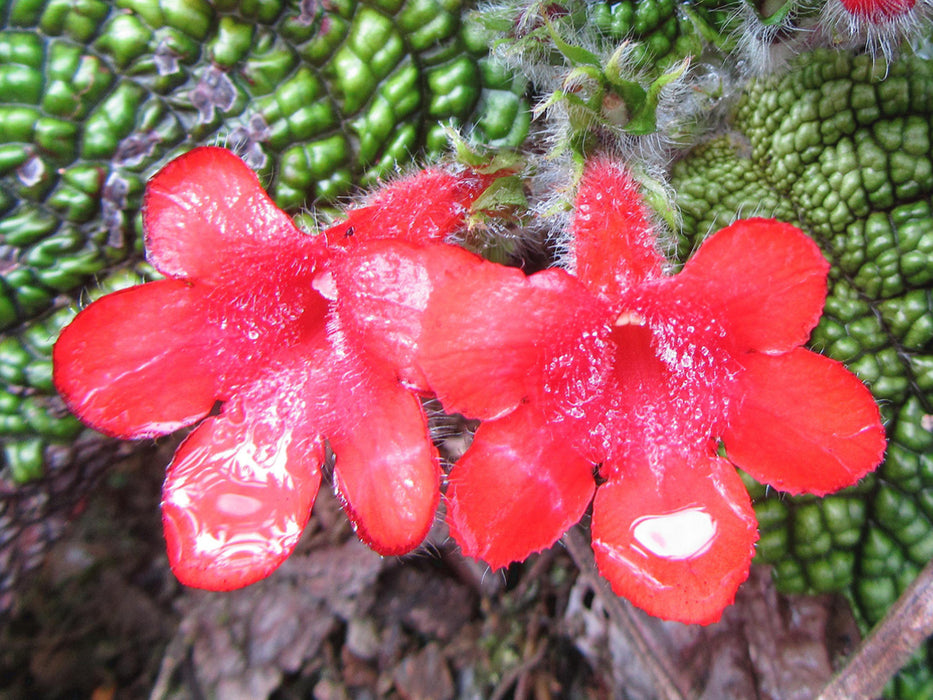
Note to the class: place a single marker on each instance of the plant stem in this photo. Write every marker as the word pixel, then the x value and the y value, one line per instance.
pixel 652 656
pixel 889 646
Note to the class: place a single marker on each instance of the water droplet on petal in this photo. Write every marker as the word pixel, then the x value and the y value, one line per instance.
pixel 325 285
pixel 683 534
pixel 234 504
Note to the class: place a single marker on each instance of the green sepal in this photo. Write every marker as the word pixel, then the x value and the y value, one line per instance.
pixel 775 18
pixel 577 55
pixel 645 117
pixel 506 192
pixel 479 158
pixel 658 196
pixel 708 33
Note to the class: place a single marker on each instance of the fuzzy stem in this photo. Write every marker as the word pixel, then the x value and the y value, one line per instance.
pixel 889 646
pixel 653 658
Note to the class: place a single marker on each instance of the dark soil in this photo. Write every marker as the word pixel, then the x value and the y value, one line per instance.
pixel 104 618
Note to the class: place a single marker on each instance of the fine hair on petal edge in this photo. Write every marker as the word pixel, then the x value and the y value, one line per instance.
pixel 882 40
pixel 557 191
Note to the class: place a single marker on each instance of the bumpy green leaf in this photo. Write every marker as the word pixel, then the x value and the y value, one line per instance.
pixel 664 32
pixel 95 95
pixel 841 146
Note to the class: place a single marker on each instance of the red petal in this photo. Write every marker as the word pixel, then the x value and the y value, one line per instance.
pixel 764 280
pixel 614 244
pixel 386 474
pixel 516 490
pixel 803 423
pixel 429 205
pixel 878 11
pixel 141 362
pixel 494 338
pixel 207 217
pixel 678 548
pixel 486 336
pixel 382 290
pixel 239 492
pixel 672 372
pixel 510 337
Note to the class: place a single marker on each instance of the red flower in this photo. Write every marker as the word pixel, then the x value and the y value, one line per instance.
pixel 878 11
pixel 246 319
pixel 642 374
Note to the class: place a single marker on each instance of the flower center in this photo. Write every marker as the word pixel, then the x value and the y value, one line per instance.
pixel 630 318
pixel 683 534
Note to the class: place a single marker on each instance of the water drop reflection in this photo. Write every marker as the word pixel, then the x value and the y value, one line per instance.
pixel 682 534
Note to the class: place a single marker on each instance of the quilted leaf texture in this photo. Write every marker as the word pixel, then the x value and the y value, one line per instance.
pixel 319 98
pixel 860 182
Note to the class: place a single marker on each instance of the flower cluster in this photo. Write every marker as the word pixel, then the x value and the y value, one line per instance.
pixel 645 378
pixel 246 318
pixel 612 384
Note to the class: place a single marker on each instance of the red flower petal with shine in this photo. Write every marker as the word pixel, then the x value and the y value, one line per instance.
pixel 516 490
pixel 239 491
pixel 764 280
pixel 487 358
pixel 805 424
pixel 429 205
pixel 386 474
pixel 678 547
pixel 207 217
pixel 614 244
pixel 382 291
pixel 142 361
